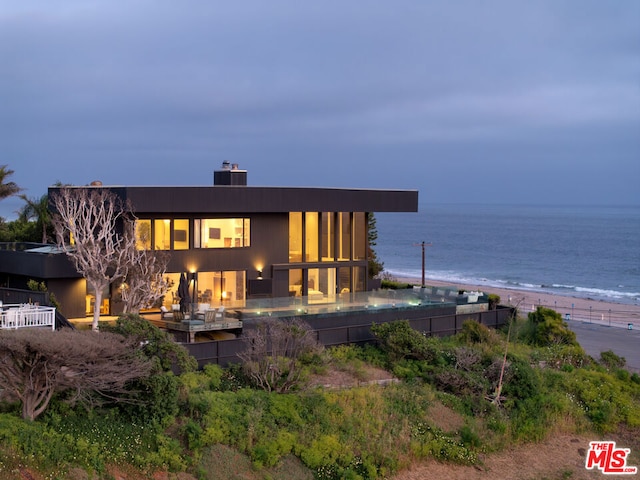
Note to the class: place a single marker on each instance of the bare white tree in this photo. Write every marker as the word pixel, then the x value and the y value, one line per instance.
pixel 85 221
pixel 144 281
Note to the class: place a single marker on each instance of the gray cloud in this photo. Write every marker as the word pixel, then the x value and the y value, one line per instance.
pixel 125 91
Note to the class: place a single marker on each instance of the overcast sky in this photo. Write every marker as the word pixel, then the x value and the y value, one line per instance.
pixel 501 101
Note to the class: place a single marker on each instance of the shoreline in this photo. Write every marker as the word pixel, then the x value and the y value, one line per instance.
pixel 585 310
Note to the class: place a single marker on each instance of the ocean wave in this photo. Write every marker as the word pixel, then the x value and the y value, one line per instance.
pixel 607 293
pixel 572 290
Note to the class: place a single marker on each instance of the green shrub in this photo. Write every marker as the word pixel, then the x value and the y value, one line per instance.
pixel 372 355
pixel 494 301
pixel 156 343
pixel 549 328
pixel 394 285
pixel 561 356
pixel 521 382
pixel 69 437
pixel 612 361
pixel 469 437
pixel 429 441
pixel 475 332
pixel 605 400
pixel 400 341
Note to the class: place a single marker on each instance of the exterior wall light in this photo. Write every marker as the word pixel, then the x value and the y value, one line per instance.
pixel 259 274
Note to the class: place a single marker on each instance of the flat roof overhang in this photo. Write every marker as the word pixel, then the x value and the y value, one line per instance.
pixel 249 199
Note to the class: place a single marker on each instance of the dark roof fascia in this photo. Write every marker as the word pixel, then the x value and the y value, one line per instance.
pixel 249 199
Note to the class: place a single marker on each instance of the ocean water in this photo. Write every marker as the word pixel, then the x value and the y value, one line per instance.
pixel 585 251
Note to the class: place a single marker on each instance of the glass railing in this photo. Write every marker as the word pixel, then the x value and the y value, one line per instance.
pixel 20 246
pixel 346 302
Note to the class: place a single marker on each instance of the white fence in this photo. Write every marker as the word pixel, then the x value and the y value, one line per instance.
pixel 27 316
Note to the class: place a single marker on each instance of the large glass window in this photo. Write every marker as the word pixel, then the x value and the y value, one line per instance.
pixel 222 288
pixel 311 236
pixel 295 282
pixel 321 285
pixel 171 299
pixel 359 236
pixel 328 237
pixel 143 234
pixel 295 237
pixel 162 234
pixel 181 234
pixel 344 234
pixel 90 300
pixel 359 274
pixel 344 280
pixel 221 232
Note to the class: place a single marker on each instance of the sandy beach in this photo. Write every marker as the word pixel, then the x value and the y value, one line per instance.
pixel 579 309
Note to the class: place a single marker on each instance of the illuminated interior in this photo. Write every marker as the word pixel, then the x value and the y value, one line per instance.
pixel 295 237
pixel 143 234
pixel 181 234
pixel 359 236
pixel 90 301
pixel 321 285
pixel 222 233
pixel 295 282
pixel 162 234
pixel 222 288
pixel 344 234
pixel 208 233
pixel 328 237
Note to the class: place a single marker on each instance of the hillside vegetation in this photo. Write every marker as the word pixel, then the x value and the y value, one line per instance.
pixel 458 400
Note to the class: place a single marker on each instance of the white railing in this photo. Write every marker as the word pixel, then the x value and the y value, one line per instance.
pixel 26 316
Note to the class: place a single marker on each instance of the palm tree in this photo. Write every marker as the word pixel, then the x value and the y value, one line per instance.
pixel 37 209
pixel 9 188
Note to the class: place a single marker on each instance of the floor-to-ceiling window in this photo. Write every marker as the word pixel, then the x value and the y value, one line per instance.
pixel 295 237
pixel 344 280
pixel 295 282
pixel 321 285
pixel 311 236
pixel 344 235
pixel 359 236
pixel 328 237
pixel 226 288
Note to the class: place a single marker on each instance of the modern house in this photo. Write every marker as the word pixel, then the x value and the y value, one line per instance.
pixel 236 242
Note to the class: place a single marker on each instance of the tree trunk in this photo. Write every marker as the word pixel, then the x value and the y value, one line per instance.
pixel 35 402
pixel 96 309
